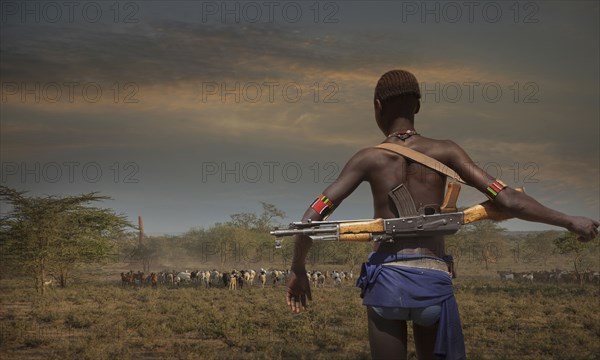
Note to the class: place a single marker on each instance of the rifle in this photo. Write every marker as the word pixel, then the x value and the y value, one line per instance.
pixel 410 223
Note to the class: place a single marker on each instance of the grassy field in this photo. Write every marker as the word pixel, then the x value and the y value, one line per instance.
pixel 98 319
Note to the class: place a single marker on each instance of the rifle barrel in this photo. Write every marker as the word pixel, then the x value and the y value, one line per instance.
pixel 309 231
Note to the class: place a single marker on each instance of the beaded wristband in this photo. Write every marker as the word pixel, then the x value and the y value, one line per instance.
pixel 494 189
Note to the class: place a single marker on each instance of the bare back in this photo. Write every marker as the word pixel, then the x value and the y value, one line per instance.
pixel 384 170
pixel 426 187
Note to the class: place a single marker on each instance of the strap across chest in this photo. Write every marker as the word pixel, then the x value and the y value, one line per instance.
pixel 422 159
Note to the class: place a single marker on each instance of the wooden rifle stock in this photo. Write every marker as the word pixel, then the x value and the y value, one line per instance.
pixel 364 237
pixel 361 230
pixel 486 211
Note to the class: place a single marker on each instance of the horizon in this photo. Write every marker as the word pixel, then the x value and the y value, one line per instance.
pixel 187 112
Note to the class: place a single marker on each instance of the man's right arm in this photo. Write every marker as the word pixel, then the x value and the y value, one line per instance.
pixel 350 177
pixel 517 204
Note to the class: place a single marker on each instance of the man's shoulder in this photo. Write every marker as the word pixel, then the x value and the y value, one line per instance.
pixel 446 151
pixel 436 148
pixel 370 156
pixel 440 142
pixel 371 153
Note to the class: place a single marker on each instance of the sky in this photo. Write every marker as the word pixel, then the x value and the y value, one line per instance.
pixel 185 112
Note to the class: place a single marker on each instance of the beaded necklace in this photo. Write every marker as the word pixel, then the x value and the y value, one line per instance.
pixel 403 135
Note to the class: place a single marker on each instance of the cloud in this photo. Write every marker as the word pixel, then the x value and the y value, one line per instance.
pixel 540 165
pixel 171 58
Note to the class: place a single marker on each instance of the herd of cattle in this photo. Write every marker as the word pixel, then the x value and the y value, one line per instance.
pixel 553 276
pixel 235 279
pixel 230 279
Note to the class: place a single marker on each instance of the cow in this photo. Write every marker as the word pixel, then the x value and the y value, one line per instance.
pixel 205 278
pixel 185 275
pixel 233 280
pixel 162 278
pixel 249 276
pixel 226 279
pixel 263 278
pixel 216 278
pixel 528 277
pixel 126 279
pixel 337 278
pixel 567 277
pixel 240 279
pixel 195 276
pixel 506 275
pixel 138 278
pixel 314 278
pixel 321 280
pixel 278 276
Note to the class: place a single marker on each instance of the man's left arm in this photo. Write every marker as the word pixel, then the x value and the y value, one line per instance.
pixel 515 203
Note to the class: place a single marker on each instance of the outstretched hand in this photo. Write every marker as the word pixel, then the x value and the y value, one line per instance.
pixel 298 291
pixel 586 228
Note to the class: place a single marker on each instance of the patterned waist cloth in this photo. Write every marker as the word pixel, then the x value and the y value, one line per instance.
pixel 421 263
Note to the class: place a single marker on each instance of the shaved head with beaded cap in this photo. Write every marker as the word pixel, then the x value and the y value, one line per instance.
pixel 397 95
pixel 396 82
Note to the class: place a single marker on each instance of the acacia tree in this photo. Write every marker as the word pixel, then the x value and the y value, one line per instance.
pixel 263 222
pixel 569 245
pixel 539 247
pixel 252 230
pixel 51 234
pixel 486 236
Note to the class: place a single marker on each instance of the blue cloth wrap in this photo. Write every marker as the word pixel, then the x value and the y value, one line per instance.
pixel 404 287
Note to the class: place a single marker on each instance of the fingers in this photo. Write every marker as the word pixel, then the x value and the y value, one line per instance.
pixel 588 236
pixel 591 232
pixel 296 302
pixel 587 230
pixel 292 302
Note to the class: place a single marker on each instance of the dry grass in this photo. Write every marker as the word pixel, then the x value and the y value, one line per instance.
pixel 102 320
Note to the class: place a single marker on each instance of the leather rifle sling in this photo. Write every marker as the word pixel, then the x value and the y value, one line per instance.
pixel 422 159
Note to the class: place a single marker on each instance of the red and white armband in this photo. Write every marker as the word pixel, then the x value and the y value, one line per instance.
pixel 323 206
